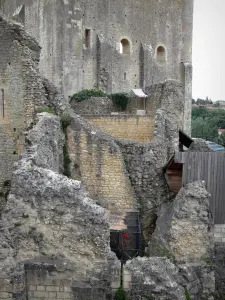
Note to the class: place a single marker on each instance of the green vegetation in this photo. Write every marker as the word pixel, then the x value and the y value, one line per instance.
pixel 120 100
pixel 30 169
pixel 163 252
pixel 120 294
pixel 46 109
pixel 205 124
pixel 66 120
pixel 148 297
pixel 86 94
pixel 188 296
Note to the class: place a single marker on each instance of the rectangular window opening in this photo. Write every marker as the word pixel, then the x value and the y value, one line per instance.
pixel 87 37
pixel 2 104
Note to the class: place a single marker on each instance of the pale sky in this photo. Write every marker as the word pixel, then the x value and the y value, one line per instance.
pixel 209 49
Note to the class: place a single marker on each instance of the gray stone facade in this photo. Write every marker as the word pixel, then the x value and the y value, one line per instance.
pixel 81 41
pixel 55 229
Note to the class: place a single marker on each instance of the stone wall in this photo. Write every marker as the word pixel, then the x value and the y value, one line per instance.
pixel 90 53
pixel 18 62
pixel 45 279
pixel 93 106
pixel 22 91
pixel 219 259
pixel 97 160
pixel 144 163
pixel 48 212
pixel 167 96
pixel 130 127
pixel 183 228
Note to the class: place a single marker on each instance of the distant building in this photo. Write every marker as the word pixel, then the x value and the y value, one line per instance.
pixel 220 131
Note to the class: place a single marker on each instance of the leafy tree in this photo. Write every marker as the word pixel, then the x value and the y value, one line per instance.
pixel 222 139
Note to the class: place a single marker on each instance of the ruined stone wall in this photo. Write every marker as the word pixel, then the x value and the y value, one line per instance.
pixel 93 106
pixel 18 89
pixel 144 162
pixel 53 221
pixel 97 160
pixel 168 97
pixel 22 91
pixel 131 127
pixel 91 32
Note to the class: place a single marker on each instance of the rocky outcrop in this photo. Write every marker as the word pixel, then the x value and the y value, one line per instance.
pixel 158 278
pixel 48 214
pixel 183 235
pixel 166 96
pixel 144 163
pixel 183 226
pixel 155 278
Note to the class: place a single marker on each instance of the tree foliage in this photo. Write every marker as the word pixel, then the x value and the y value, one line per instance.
pixel 120 294
pixel 205 124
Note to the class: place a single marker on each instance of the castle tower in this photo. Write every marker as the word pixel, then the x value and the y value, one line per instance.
pixel 111 45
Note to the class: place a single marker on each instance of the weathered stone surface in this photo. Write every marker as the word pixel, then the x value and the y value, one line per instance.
pixel 182 229
pixel 93 106
pixel 48 214
pixel 198 280
pixel 160 279
pixel 144 163
pixel 90 57
pixel 166 96
pixel 47 139
pixel 23 91
pixel 200 145
pixel 220 270
pixel 155 278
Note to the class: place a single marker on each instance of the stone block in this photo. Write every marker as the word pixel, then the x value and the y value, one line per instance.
pixel 32 288
pixel 4 295
pixel 40 288
pixel 40 294
pixel 52 288
pixel 52 295
pixel 64 295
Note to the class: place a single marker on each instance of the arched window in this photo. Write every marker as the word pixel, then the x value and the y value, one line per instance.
pixel 161 54
pixel 124 46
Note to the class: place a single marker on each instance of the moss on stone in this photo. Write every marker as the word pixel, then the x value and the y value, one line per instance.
pixel 187 295
pixel 46 109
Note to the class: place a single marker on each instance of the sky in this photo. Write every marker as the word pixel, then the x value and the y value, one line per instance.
pixel 209 49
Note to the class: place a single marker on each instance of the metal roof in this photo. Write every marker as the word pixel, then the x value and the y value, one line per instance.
pixel 139 93
pixel 215 146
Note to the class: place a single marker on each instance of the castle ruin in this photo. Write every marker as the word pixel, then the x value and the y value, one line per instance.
pixel 70 182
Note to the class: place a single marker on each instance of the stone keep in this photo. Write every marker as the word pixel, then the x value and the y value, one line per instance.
pixel 113 45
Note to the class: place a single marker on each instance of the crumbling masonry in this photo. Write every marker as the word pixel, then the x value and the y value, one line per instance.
pixel 55 230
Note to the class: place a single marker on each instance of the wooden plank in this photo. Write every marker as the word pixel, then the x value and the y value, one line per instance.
pixel 210 167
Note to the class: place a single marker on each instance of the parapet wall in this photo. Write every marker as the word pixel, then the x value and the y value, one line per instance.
pixel 130 127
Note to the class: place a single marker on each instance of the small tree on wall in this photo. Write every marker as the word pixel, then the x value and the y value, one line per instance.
pixel 120 100
pixel 120 294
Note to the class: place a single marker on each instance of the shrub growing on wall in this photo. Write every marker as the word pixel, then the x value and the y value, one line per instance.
pixel 86 94
pixel 120 100
pixel 120 294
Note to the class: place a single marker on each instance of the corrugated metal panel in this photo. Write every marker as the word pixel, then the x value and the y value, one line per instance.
pixel 210 167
